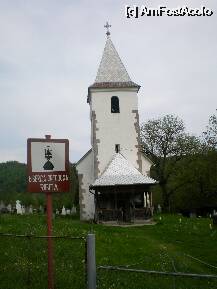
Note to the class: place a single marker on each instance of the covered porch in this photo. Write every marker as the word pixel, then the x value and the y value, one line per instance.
pixel 123 204
pixel 122 193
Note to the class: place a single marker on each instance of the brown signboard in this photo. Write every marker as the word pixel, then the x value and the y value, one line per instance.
pixel 48 165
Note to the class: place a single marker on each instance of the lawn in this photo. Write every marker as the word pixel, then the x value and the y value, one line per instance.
pixel 186 245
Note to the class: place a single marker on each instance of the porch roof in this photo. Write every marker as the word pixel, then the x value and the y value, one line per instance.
pixel 121 172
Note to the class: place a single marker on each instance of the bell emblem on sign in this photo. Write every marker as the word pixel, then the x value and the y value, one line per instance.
pixel 48 155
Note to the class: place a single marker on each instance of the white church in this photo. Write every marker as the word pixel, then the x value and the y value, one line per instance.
pixel 114 182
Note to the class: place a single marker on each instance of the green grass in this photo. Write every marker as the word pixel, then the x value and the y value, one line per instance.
pixel 167 246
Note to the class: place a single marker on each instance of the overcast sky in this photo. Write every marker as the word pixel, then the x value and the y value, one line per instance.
pixel 50 52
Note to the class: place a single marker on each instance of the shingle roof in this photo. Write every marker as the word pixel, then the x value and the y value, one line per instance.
pixel 111 68
pixel 84 156
pixel 121 172
pixel 114 84
pixel 111 72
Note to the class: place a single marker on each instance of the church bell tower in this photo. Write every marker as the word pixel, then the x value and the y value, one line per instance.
pixel 114 113
pixel 114 167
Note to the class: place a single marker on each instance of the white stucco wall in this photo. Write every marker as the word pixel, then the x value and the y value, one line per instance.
pixel 115 128
pixel 86 199
pixel 146 165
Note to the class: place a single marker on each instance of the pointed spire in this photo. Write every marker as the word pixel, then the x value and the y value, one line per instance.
pixel 111 68
pixel 111 72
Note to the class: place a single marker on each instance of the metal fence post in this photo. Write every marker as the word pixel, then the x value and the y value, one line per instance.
pixel 91 262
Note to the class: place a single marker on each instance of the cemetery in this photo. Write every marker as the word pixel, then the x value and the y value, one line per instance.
pixel 19 209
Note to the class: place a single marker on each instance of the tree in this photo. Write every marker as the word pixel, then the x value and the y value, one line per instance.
pixel 199 172
pixel 13 186
pixel 211 132
pixel 165 141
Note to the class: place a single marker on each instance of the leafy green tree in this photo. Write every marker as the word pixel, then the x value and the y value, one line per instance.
pixel 199 174
pixel 12 177
pixel 13 186
pixel 211 132
pixel 165 141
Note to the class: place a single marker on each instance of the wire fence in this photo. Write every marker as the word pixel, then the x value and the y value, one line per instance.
pixel 24 261
pixel 124 277
pixel 24 265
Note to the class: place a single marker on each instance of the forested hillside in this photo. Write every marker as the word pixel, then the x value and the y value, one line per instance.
pixel 12 178
pixel 13 186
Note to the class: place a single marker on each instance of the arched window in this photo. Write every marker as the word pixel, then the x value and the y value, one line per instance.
pixel 115 104
pixel 117 148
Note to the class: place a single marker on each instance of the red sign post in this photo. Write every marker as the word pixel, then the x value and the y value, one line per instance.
pixel 48 172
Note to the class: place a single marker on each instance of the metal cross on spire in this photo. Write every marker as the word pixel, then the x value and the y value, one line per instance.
pixel 107 26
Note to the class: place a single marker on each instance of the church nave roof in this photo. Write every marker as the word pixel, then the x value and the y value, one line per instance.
pixel 121 172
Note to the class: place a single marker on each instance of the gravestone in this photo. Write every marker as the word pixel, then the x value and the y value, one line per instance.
pixel 30 209
pixel 27 209
pixel 73 210
pixel 23 209
pixel 57 212
pixel 3 208
pixel 214 217
pixel 18 208
pixel 2 205
pixel 41 209
pixel 63 213
pixel 68 212
pixel 9 207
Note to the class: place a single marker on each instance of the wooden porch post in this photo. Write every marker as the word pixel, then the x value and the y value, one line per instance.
pixel 151 198
pixel 116 206
pixel 96 205
pixel 133 209
pixel 152 209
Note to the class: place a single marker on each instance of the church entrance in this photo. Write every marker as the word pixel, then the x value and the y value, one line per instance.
pixel 124 207
pixel 122 204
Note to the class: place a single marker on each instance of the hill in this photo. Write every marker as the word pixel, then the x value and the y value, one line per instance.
pixel 13 186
